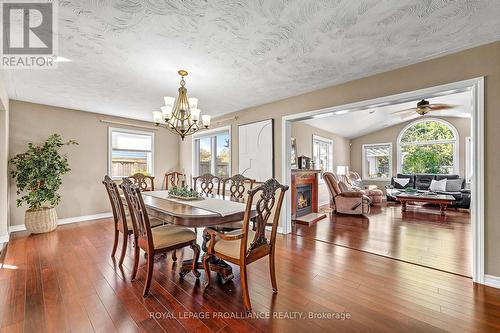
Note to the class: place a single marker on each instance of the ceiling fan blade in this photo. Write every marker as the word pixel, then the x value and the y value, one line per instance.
pixel 406 110
pixel 435 107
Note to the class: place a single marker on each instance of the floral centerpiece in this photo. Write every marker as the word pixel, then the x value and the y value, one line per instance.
pixel 183 193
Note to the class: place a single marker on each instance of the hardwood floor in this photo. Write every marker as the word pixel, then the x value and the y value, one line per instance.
pixel 420 236
pixel 66 281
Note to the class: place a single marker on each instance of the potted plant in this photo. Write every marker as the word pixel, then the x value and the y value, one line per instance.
pixel 38 175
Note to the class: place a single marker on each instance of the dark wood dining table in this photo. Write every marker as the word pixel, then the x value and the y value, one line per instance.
pixel 179 213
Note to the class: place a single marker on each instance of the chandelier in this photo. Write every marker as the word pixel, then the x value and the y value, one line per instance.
pixel 181 116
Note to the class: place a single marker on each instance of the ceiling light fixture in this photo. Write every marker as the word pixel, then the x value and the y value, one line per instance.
pixel 181 115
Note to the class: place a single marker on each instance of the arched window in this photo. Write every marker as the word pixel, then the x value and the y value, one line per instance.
pixel 428 146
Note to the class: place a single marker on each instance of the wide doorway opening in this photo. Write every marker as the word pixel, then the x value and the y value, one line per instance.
pixel 399 176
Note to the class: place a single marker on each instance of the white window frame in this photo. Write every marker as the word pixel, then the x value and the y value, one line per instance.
pixel 455 142
pixel 151 168
pixel 329 142
pixel 364 169
pixel 205 133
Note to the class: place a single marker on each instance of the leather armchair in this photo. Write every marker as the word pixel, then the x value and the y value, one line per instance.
pixel 346 202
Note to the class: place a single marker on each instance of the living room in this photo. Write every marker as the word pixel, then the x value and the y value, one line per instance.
pixel 387 150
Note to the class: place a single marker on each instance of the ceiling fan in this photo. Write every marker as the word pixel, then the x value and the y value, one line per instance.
pixel 424 107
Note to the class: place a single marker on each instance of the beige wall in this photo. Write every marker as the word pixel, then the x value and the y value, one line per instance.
pixel 475 62
pixel 390 134
pixel 82 191
pixel 341 156
pixel 4 155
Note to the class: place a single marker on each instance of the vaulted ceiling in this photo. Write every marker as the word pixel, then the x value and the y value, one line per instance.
pixel 125 54
pixel 355 123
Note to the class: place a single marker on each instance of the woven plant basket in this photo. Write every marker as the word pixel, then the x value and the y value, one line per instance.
pixel 41 220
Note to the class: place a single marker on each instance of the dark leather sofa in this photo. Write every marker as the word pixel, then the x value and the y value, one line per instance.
pixel 421 182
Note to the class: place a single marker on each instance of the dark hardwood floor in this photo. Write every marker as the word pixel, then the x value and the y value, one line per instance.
pixel 66 281
pixel 421 236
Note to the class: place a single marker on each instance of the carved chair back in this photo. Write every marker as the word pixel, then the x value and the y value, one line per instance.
pixel 138 213
pixel 237 186
pixel 268 199
pixel 145 183
pixel 173 178
pixel 116 203
pixel 208 184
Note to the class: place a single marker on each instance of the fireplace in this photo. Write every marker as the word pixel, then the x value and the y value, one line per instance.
pixel 303 199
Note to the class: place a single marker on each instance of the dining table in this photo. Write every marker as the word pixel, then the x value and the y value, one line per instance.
pixel 205 212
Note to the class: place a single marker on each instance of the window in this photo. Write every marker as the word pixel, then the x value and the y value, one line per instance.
pixel 130 152
pixel 377 161
pixel 428 146
pixel 212 153
pixel 322 154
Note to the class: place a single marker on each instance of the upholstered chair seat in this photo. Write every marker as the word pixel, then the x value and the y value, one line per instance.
pixel 231 225
pixel 170 235
pixel 231 248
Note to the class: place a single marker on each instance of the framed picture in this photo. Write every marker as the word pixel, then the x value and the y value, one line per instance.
pixel 293 154
pixel 256 150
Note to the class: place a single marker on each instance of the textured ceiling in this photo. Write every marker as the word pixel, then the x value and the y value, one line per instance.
pixel 356 123
pixel 125 54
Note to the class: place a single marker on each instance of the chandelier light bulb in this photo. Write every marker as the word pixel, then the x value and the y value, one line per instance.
pixel 167 112
pixel 193 102
pixel 205 119
pixel 157 117
pixel 169 101
pixel 195 114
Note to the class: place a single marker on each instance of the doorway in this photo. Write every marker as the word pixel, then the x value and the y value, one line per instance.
pixel 476 149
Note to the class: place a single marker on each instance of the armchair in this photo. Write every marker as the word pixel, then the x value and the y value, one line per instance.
pixel 346 202
pixel 371 191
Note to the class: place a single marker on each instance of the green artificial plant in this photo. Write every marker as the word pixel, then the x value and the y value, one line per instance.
pixel 38 172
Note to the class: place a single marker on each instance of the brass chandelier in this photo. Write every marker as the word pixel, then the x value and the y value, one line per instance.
pixel 181 116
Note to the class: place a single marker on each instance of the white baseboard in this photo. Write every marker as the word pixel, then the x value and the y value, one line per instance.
pixel 76 219
pixel 4 239
pixel 492 281
pixel 324 203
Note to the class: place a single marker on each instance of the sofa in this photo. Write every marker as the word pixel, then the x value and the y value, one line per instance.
pixel 422 182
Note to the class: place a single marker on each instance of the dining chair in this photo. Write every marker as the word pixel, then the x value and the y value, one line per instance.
pixel 145 183
pixel 157 240
pixel 237 186
pixel 122 224
pixel 242 247
pixel 122 221
pixel 209 184
pixel 173 178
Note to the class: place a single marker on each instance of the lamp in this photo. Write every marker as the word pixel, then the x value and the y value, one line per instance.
pixel 342 170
